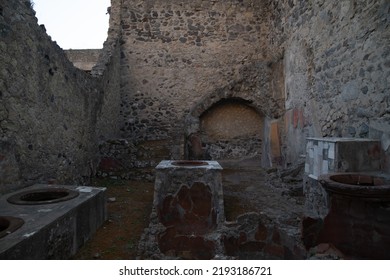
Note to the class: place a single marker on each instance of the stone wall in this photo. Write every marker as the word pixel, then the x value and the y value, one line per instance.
pixel 337 67
pixel 308 68
pixel 83 59
pixel 50 112
pixel 181 57
pixel 107 70
pixel 311 69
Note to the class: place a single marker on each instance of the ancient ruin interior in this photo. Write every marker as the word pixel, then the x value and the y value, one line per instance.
pixel 261 126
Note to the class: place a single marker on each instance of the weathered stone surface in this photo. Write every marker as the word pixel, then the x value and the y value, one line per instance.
pixel 84 59
pixel 335 55
pixel 53 230
pixel 190 211
pixel 317 61
pixel 190 66
pixel 186 247
pixel 52 114
pixel 303 68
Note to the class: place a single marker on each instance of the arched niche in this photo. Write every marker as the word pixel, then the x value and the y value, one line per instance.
pixel 230 129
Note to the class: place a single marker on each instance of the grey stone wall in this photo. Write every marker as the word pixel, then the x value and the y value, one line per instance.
pixel 181 57
pixel 337 67
pixel 310 68
pixel 51 114
pixel 107 69
pixel 84 59
pixel 111 46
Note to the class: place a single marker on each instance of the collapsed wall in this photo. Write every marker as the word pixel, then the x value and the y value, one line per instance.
pixel 50 112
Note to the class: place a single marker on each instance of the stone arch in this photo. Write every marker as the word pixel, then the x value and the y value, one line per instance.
pixel 262 102
pixel 244 119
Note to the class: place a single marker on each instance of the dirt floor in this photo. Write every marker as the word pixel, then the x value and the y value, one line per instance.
pixel 129 205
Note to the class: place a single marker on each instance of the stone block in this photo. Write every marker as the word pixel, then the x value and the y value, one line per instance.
pixel 191 182
pixel 53 231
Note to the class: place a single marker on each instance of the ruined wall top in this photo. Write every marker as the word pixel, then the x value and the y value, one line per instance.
pixel 84 59
pixel 113 37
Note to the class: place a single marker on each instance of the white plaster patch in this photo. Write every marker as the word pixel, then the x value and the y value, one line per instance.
pixel 331 151
pixel 320 147
pixel 325 167
pixel 307 168
pixel 84 189
pixel 29 234
pixel 385 141
pixel 311 153
pixel 317 167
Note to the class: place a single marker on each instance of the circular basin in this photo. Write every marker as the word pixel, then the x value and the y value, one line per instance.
pixel 357 185
pixel 189 163
pixel 42 196
pixel 9 224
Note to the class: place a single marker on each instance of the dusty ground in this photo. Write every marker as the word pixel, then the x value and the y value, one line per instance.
pixel 128 215
pixel 245 190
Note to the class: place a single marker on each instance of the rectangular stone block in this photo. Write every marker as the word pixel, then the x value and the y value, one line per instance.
pixel 172 175
pixel 342 155
pixel 56 230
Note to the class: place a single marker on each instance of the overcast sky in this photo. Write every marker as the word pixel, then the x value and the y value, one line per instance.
pixel 74 24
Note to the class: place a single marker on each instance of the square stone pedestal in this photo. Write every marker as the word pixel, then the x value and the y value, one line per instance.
pixel 189 193
pixel 187 211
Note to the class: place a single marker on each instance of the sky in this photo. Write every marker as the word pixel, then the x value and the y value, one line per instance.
pixel 74 24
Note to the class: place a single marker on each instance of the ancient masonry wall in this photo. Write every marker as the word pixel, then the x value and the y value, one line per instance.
pixel 179 58
pixel 310 69
pixel 107 69
pixel 337 69
pixel 307 68
pixel 84 59
pixel 50 112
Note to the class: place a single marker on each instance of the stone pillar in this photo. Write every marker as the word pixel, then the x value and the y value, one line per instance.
pixel 189 194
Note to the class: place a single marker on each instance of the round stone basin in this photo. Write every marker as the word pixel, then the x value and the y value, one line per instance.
pixel 42 196
pixel 189 163
pixel 357 185
pixel 9 224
